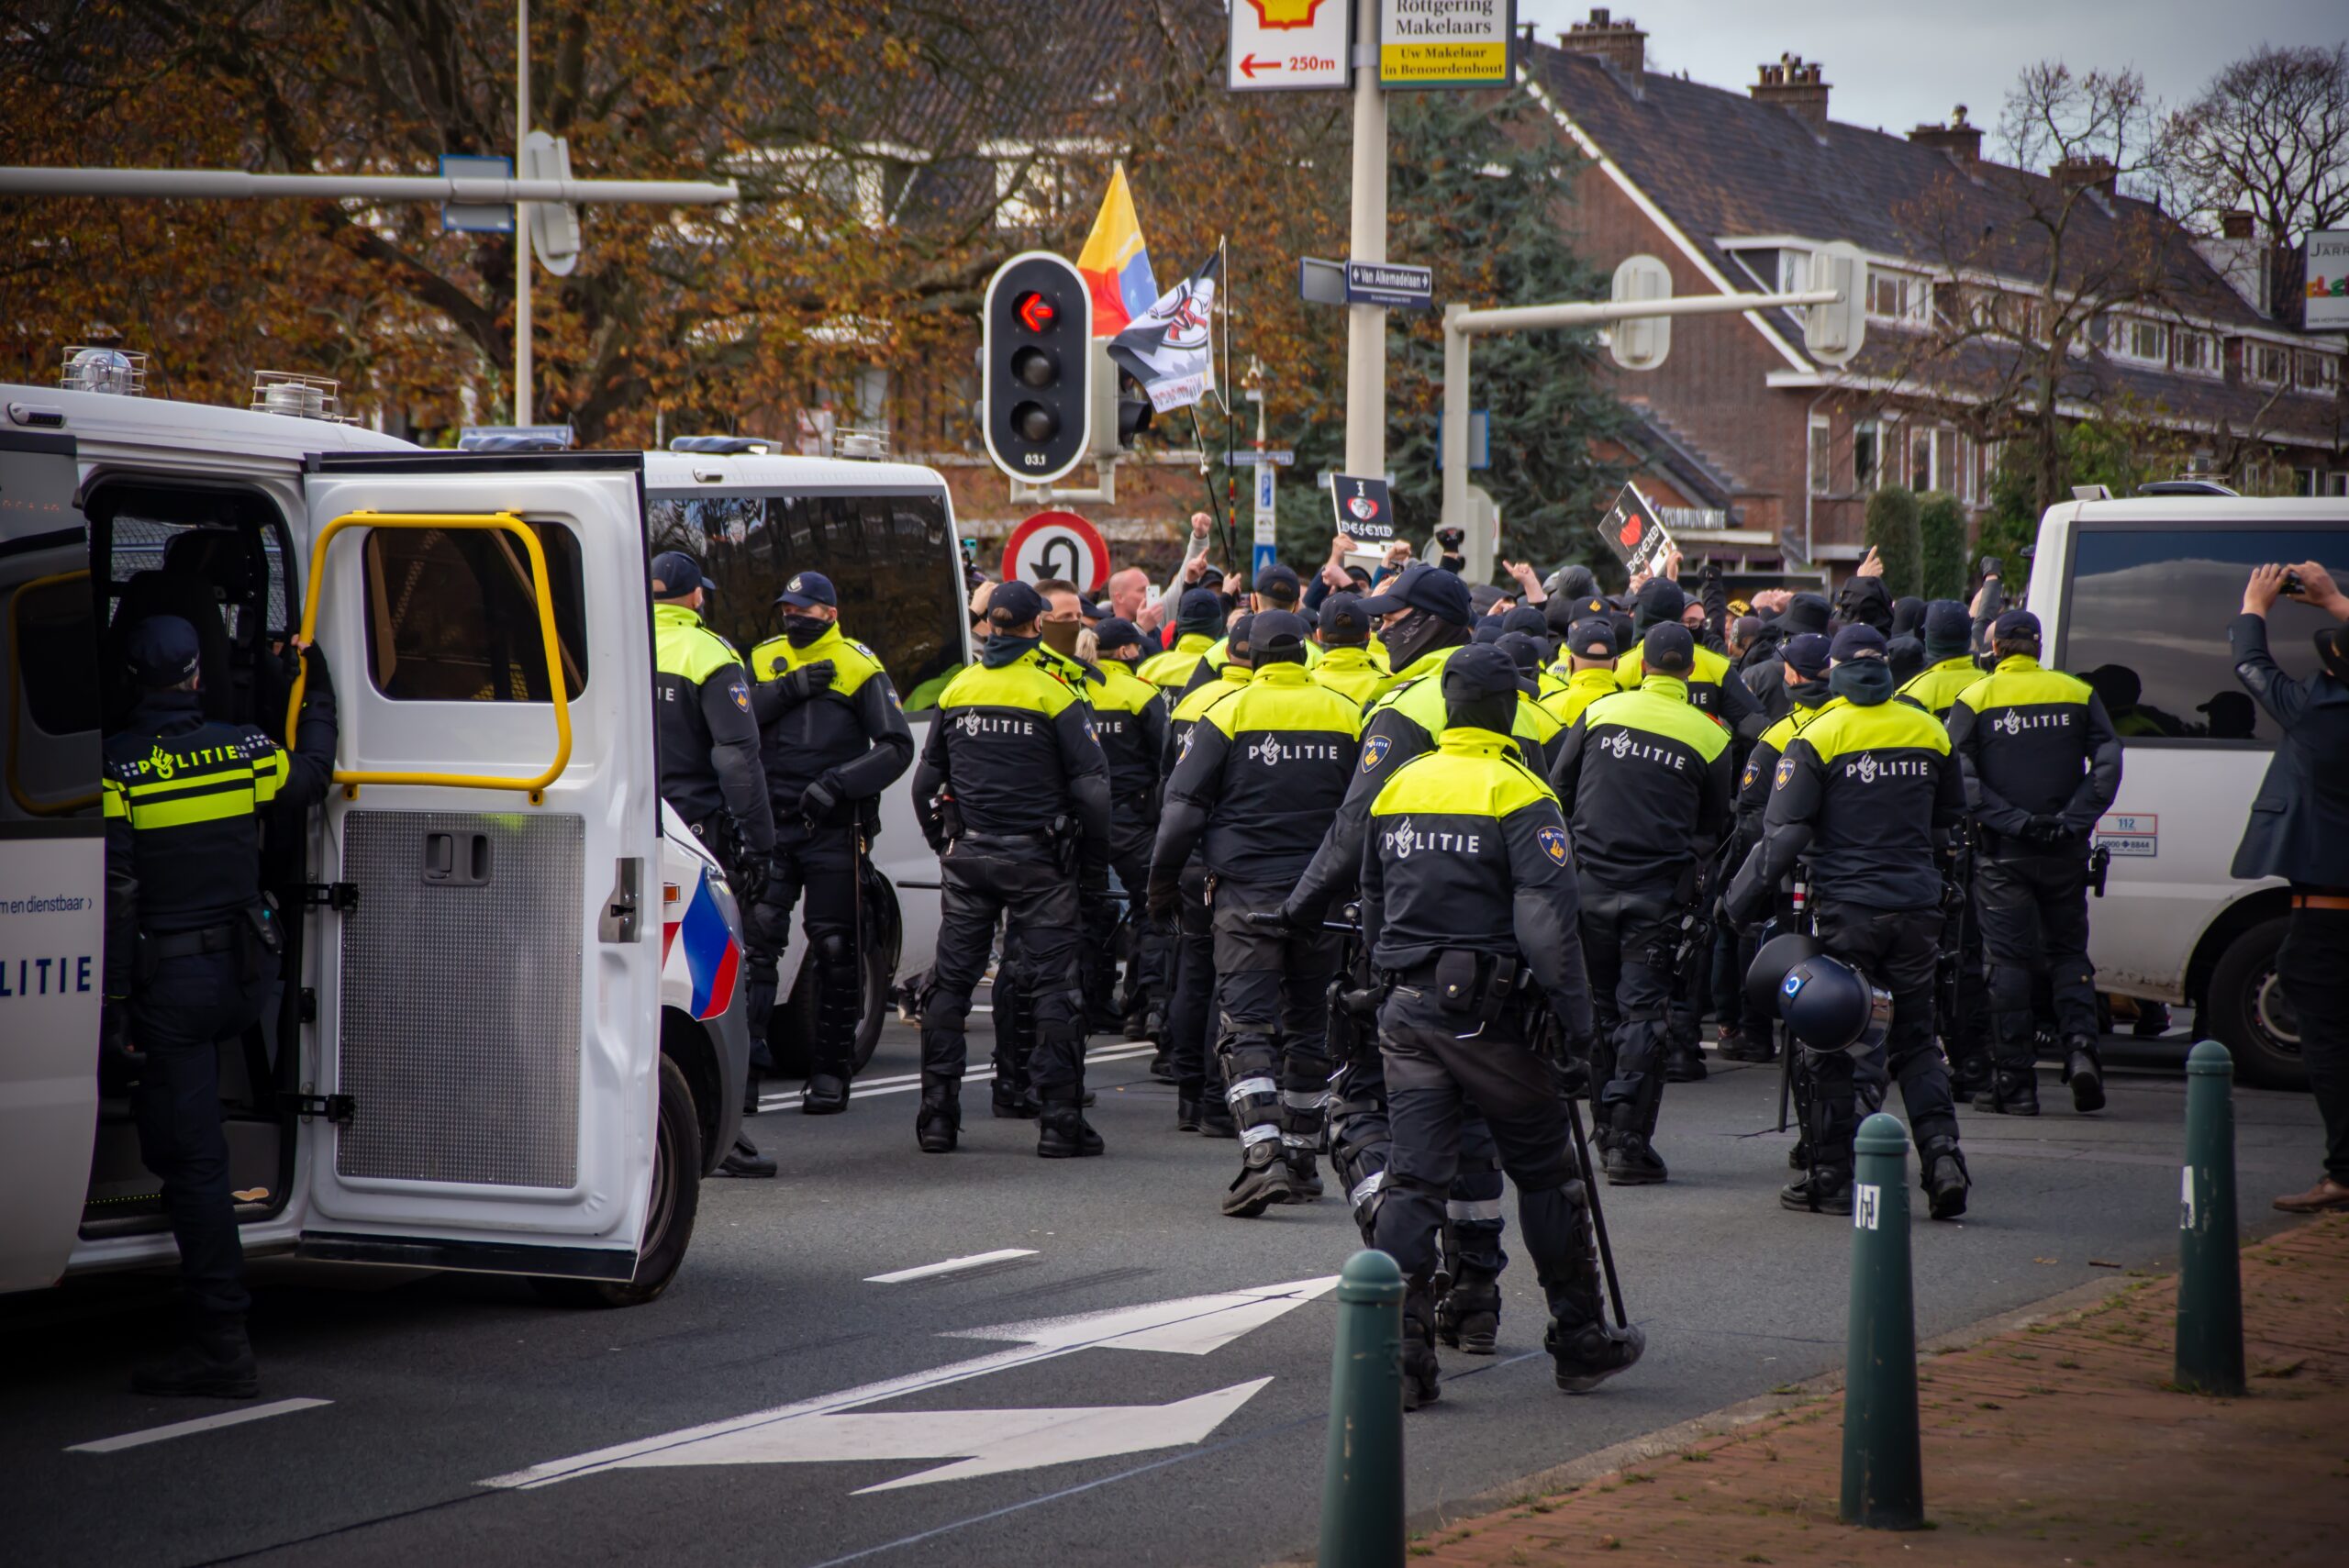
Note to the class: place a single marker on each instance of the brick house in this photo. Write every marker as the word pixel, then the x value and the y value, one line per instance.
pixel 1746 436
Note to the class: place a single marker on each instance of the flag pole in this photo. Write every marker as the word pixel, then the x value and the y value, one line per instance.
pixel 1223 398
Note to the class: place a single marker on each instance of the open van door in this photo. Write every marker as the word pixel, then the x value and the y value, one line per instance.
pixel 52 858
pixel 487 975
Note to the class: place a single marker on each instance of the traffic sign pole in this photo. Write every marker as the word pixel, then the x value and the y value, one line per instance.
pixel 1366 324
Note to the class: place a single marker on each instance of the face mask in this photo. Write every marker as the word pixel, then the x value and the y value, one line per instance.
pixel 1001 649
pixel 1863 682
pixel 1060 636
pixel 1416 636
pixel 801 630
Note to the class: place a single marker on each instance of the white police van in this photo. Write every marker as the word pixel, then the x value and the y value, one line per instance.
pixel 510 1037
pixel 884 532
pixel 2135 596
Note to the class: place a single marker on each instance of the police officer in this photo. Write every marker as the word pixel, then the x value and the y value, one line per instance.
pixel 1260 775
pixel 1191 1000
pixel 1711 686
pixel 1589 666
pixel 1869 797
pixel 709 769
pixel 1129 717
pixel 1198 621
pixel 1645 779
pixel 191 955
pixel 832 738
pixel 1467 882
pixel 1804 658
pixel 1347 666
pixel 2042 764
pixel 1948 634
pixel 1013 792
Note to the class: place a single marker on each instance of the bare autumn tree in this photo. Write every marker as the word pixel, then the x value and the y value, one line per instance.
pixel 2016 362
pixel 2269 135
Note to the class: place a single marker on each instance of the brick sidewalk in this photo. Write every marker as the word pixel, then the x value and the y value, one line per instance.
pixel 2054 1444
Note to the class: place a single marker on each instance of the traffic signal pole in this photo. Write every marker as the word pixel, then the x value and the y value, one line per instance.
pixel 1460 324
pixel 1366 324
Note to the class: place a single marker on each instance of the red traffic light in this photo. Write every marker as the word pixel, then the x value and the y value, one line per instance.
pixel 1035 312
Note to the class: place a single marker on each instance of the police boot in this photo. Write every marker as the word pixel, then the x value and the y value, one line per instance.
pixel 938 1125
pixel 1942 1169
pixel 1631 1159
pixel 1683 1062
pixel 215 1363
pixel 1798 1157
pixel 1420 1366
pixel 1011 1098
pixel 1970 1077
pixel 1301 1138
pixel 1162 1062
pixel 1304 1175
pixel 1826 1189
pixel 1062 1133
pixel 2014 1090
pixel 1262 1183
pixel 1468 1318
pixel 1588 1356
pixel 1186 1113
pixel 1215 1117
pixel 2085 1073
pixel 745 1160
pixel 1736 1045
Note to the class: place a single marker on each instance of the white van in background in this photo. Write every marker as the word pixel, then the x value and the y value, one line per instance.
pixel 884 532
pixel 2135 596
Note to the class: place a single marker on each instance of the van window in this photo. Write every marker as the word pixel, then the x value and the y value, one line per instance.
pixel 451 617
pixel 2146 623
pixel 891 558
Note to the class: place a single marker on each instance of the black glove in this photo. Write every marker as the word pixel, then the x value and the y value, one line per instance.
pixel 320 686
pixel 819 800
pixel 1572 1070
pixel 805 682
pixel 750 883
pixel 120 1066
pixel 2044 831
pixel 1279 919
pixel 1743 912
pixel 1167 898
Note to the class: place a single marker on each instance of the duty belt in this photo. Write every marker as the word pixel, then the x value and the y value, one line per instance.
pixel 160 946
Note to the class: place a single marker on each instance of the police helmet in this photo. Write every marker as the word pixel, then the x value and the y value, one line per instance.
pixel 1771 962
pixel 1831 1007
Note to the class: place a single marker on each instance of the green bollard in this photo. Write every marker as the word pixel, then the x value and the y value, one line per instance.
pixel 2209 1262
pixel 1361 1491
pixel 1884 1484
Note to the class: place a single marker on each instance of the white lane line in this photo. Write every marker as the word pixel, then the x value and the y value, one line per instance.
pixel 906 1084
pixel 201 1424
pixel 951 1266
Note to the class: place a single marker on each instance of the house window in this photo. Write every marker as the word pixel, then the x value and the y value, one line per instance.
pixel 1867 454
pixel 2319 373
pixel 2269 364
pixel 1794 272
pixel 1822 452
pixel 1902 297
pixel 1032 192
pixel 2196 351
pixel 2140 342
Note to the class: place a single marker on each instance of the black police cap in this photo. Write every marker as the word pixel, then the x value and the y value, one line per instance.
pixel 1479 670
pixel 163 651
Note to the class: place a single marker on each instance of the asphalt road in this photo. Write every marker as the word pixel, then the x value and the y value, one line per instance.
pixel 435 1386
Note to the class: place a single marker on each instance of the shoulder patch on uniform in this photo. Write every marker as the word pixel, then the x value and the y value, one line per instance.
pixel 1374 751
pixel 1785 771
pixel 741 694
pixel 1553 843
pixel 1745 781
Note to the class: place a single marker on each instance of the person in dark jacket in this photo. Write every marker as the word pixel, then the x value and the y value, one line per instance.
pixel 1129 717
pixel 2041 765
pixel 832 738
pixel 191 955
pixel 2300 829
pixel 1763 669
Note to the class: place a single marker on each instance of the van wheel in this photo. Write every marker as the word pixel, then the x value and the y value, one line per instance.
pixel 2250 1014
pixel 669 1225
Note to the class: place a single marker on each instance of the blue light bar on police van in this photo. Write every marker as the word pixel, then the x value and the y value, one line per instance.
pixel 516 439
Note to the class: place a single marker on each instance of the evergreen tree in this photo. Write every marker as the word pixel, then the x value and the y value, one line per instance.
pixel 1477 193
pixel 1892 532
pixel 1942 525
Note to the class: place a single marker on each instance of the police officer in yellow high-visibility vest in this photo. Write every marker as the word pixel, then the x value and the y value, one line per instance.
pixel 831 739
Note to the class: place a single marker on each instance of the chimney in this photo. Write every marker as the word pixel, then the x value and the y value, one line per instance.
pixel 2095 172
pixel 2237 224
pixel 1796 87
pixel 1619 46
pixel 1961 139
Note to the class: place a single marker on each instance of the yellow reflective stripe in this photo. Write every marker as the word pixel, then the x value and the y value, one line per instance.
pixel 2020 681
pixel 1649 707
pixel 853 662
pixel 1023 684
pixel 1885 727
pixel 683 646
pixel 270 774
pixel 113 802
pixel 186 810
pixel 1480 783
pixel 1283 696
pixel 1233 679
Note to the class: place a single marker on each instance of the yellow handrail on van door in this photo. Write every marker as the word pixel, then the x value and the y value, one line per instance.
pixel 455 521
pixel 26 802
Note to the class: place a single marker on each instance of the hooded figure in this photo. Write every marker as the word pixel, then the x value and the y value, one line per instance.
pixel 1764 670
pixel 1865 601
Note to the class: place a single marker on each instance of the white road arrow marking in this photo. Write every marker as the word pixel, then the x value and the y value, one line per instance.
pixel 1191 1326
pixel 988 1442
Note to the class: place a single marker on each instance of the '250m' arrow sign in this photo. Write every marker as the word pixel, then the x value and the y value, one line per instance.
pixel 1279 45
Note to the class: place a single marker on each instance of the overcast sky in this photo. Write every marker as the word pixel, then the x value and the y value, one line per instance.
pixel 1894 65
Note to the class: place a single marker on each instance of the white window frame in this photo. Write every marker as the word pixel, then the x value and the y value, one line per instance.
pixel 2214 355
pixel 1793 270
pixel 1821 455
pixel 1914 306
pixel 2315 371
pixel 2256 348
pixel 1874 432
pixel 2125 344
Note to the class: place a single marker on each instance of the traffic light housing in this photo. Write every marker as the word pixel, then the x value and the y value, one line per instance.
pixel 1036 367
pixel 1120 410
